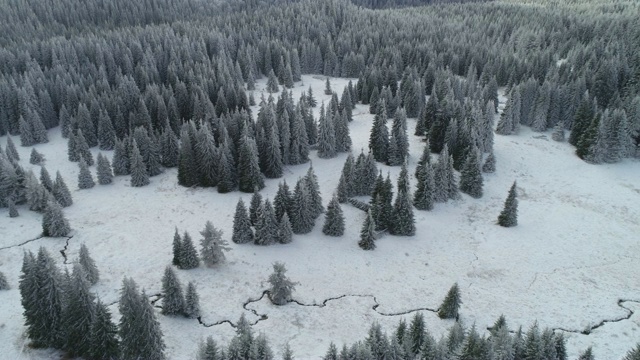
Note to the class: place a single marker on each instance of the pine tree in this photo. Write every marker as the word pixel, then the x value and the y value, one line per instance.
pixel 105 174
pixel 399 143
pixel 281 286
pixel 121 164
pixel 44 322
pixel 78 314
pixel 509 215
pixel 424 196
pixel 379 137
pixel 451 304
pixel 85 179
pixel 272 82
pixel 285 231
pixel 212 245
pixel 255 207
pixel 26 133
pixel 282 200
pixel 310 99
pixel 45 179
pixel 11 150
pixel 192 302
pixel 633 354
pixel 61 192
pixel 13 211
pixel 586 355
pixel 187 167
pixel 4 284
pixel 82 148
pixel 332 353
pixel 474 347
pixel 189 255
pixel 227 180
pixel 533 346
pixel 208 350
pixel 489 164
pixel 177 250
pixel 54 224
pixel 471 175
pixel 88 265
pixel 36 158
pixel 367 234
pixel 267 225
pixel 345 185
pixel 334 219
pixel 104 344
pixel 341 126
pixel 173 301
pixel 326 135
pixel 170 149
pixel 558 132
pixel 242 232
pixel 249 176
pixel 403 222
pixel 139 175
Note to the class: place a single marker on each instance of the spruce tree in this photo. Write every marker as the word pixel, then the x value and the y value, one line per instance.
pixel 177 250
pixel 327 87
pixel 192 302
pixel 61 192
pixel 489 164
pixel 334 219
pixel 44 324
pixel 82 148
pixel 212 246
pixel 121 163
pixel 558 132
pixel 170 148
pixel 79 312
pixel 45 179
pixel 255 207
pixel 403 222
pixel 267 225
pixel 272 82
pixel 399 143
pixel 281 286
pixel 341 126
pixel 54 224
pixel 187 167
pixel 189 255
pixel 509 215
pixel 302 214
pixel 471 175
pixel 13 211
pixel 474 347
pixel 367 234
pixel 11 150
pixel 173 301
pixel 326 135
pixel 311 181
pixel 379 137
pixel 285 231
pixel 451 304
pixel 105 174
pixel 208 350
pixel 242 232
pixel 249 176
pixel 282 200
pixel 104 344
pixel 88 265
pixel 139 175
pixel 424 196
pixel 345 184
pixel 106 133
pixel 310 99
pixel 633 354
pixel 26 133
pixel 586 355
pixel 85 179
pixel 36 158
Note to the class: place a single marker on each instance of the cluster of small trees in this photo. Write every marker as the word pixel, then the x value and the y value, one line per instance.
pixel 173 300
pixel 212 248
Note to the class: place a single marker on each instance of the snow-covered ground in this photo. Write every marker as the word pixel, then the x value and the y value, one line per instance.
pixel 572 257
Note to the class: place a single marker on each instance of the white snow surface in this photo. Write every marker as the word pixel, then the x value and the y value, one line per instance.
pixel 572 257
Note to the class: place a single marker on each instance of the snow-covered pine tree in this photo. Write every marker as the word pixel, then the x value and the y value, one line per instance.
pixel 367 234
pixel 272 82
pixel 417 334
pixel 242 232
pixel 13 211
pixel 82 148
pixel 281 286
pixel 106 133
pixel 228 178
pixel 45 179
pixel 403 222
pixel 54 224
pixel 139 175
pixel 302 214
pixel 177 250
pixel 172 301
pixel 311 181
pixel 326 135
pixel 249 176
pixel 104 344
pixel 341 126
pixel 78 314
pixel 105 174
pixel 36 158
pixel 189 256
pixel 424 196
pixel 509 215
pixel 61 192
pixel 208 350
pixel 140 331
pixel 474 347
pixel 11 150
pixel 255 207
pixel 43 318
pixel 345 185
pixel 192 302
pixel 489 164
pixel 121 163
pixel 285 231
pixel 379 137
pixel 327 87
pixel 169 148
pixel 633 354
pixel 334 219
pixel 187 166
pixel 451 304
pixel 399 143
pixel 310 99
pixel 585 355
pixel 282 200
pixel 558 132
pixel 26 133
pixel 485 128
pixel 212 246
pixel 471 175
pixel 88 265
pixel 85 179
pixel 267 225
pixel 273 165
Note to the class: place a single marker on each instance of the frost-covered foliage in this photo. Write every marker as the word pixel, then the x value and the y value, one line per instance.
pixel 88 265
pixel 451 304
pixel 212 246
pixel 281 287
pixel 509 215
pixel 54 223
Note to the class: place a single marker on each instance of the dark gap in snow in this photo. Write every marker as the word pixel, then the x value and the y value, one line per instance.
pixel 64 250
pixel 21 244
pixel 590 329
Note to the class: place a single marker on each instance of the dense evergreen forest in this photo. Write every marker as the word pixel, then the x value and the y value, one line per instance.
pixel 169 83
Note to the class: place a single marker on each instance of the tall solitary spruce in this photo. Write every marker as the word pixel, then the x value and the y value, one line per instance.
pixel 509 215
pixel 451 304
pixel 85 179
pixel 281 287
pixel 104 171
pixel 368 234
pixel 212 245
pixel 334 219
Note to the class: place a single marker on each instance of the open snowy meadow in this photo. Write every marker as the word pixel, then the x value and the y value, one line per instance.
pixel 571 264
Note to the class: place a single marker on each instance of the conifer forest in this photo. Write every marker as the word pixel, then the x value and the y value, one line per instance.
pixel 320 179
